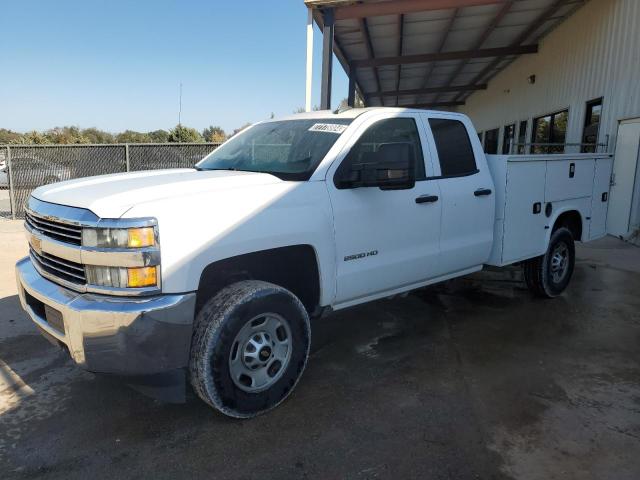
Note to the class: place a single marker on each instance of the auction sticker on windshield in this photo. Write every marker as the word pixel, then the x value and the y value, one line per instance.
pixel 328 127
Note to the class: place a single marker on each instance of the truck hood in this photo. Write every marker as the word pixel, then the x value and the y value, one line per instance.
pixel 110 196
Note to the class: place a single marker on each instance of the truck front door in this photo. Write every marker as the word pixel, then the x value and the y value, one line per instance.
pixel 385 239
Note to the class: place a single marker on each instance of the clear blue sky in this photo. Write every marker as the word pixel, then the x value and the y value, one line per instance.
pixel 116 64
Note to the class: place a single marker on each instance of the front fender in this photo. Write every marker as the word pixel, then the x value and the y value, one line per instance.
pixel 204 228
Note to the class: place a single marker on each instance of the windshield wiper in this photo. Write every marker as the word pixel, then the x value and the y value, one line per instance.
pixel 229 169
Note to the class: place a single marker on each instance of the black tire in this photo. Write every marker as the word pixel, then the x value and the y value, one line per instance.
pixel 538 272
pixel 216 328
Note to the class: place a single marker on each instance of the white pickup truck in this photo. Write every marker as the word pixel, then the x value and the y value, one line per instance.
pixel 212 273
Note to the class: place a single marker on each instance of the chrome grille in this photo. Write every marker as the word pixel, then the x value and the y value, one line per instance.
pixel 59 267
pixel 63 232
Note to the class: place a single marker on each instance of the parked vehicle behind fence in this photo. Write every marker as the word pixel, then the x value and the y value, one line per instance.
pixel 213 273
pixel 4 177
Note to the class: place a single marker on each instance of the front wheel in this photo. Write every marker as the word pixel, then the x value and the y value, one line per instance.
pixel 249 348
pixel 548 276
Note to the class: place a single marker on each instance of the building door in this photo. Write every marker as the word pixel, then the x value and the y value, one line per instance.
pixel 625 166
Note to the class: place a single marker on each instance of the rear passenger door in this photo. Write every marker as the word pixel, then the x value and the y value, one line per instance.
pixel 466 190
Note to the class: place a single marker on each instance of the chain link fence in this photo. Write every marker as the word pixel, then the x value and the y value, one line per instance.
pixel 26 167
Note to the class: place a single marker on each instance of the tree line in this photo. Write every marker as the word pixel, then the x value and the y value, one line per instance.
pixel 178 134
pixel 77 135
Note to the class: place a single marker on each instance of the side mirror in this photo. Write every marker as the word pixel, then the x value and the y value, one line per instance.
pixel 391 167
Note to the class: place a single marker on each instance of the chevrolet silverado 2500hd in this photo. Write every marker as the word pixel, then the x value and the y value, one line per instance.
pixel 214 271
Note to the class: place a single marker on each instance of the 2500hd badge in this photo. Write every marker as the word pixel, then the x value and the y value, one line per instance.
pixel 358 256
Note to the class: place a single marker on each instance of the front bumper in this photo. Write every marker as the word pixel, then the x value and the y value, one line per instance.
pixel 108 334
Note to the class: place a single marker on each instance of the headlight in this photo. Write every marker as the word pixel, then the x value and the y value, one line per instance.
pixel 121 277
pixel 118 237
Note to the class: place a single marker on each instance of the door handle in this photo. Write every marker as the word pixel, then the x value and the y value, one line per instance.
pixel 427 199
pixel 482 191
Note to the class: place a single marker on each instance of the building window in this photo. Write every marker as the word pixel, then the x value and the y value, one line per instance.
pixel 591 126
pixel 508 138
pixel 522 137
pixel 550 129
pixel 491 141
pixel 454 147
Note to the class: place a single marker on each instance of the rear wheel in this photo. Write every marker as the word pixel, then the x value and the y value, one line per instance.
pixel 548 275
pixel 250 346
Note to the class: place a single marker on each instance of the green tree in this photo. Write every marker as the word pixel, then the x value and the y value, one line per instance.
pixel 357 103
pixel 130 136
pixel 9 136
pixel 34 137
pixel 184 134
pixel 239 129
pixel 65 135
pixel 214 134
pixel 97 136
pixel 315 108
pixel 159 136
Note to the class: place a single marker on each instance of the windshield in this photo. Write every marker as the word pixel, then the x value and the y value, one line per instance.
pixel 288 149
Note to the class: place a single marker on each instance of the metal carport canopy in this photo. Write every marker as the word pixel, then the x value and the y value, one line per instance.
pixel 428 53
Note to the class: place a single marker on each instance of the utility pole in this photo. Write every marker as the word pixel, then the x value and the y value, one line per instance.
pixel 180 114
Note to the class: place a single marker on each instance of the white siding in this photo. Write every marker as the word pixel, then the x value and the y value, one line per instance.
pixel 595 53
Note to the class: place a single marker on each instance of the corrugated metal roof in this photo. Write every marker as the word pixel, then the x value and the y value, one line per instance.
pixel 492 24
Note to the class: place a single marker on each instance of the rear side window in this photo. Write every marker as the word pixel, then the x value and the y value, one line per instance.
pixel 454 147
pixel 382 133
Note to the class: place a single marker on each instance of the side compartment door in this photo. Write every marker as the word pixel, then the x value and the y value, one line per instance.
pixel 524 218
pixel 467 191
pixel 385 239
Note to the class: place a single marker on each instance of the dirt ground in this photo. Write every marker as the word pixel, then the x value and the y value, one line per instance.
pixel 472 379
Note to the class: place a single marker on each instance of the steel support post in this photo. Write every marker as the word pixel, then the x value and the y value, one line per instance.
pixel 327 58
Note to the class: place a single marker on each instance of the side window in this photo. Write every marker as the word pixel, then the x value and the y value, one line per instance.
pixel 491 141
pixel 454 147
pixel 385 132
pixel 549 133
pixel 508 138
pixel 522 137
pixel 591 126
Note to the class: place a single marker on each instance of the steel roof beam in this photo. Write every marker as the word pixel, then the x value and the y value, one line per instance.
pixel 483 38
pixel 442 56
pixel 399 51
pixel 533 26
pixel 364 30
pixel 397 7
pixel 443 40
pixel 432 105
pixel 425 91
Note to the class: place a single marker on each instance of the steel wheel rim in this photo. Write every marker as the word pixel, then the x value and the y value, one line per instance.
pixel 559 262
pixel 260 352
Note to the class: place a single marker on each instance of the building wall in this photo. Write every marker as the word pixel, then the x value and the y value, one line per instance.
pixel 594 53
